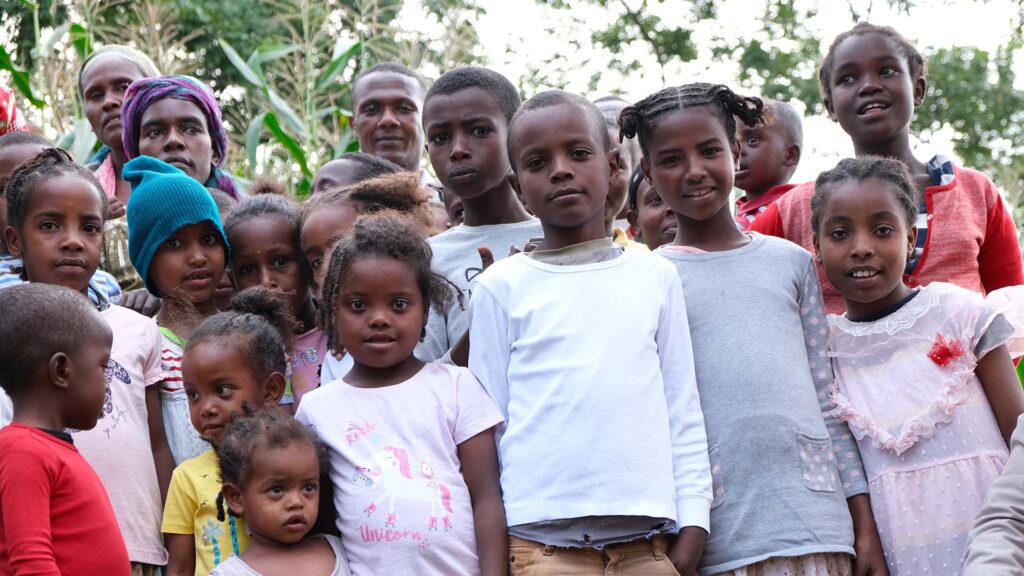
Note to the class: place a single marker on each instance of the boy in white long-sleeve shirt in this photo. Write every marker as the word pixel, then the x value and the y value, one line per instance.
pixel 604 454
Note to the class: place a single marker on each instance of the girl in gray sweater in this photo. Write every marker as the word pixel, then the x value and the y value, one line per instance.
pixel 789 490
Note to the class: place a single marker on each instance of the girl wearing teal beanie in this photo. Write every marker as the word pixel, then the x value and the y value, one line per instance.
pixel 177 244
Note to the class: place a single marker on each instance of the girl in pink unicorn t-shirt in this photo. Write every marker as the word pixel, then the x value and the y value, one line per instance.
pixel 411 445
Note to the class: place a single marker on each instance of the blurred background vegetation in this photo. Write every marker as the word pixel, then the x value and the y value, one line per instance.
pixel 282 68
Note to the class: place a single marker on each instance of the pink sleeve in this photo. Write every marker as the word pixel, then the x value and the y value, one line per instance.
pixel 153 370
pixel 476 411
pixel 27 477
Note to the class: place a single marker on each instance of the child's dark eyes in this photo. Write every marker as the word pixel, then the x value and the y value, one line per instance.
pixel 480 132
pixel 92 228
pixel 654 200
pixel 276 490
pixel 310 488
pixel 407 109
pixel 580 154
pixel 281 261
pixel 711 152
pixel 887 71
pixel 173 243
pixel 884 231
pixel 211 239
pixel 846 79
pixel 535 163
pixel 357 305
pixel 668 160
pixel 192 395
pixel 753 140
pixel 48 225
pixel 839 234
pixel 223 390
pixel 439 138
pixel 401 304
pixel 153 133
pixel 246 269
pixel 315 263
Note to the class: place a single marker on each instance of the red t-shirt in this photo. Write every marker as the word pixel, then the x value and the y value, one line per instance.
pixel 55 517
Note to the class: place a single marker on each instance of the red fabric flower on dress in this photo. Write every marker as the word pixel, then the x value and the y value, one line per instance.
pixel 945 350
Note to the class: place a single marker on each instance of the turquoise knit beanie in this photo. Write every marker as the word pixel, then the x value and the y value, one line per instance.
pixel 163 200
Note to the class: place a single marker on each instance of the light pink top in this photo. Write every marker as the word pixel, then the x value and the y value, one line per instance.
pixel 929 442
pixel 118 448
pixel 403 507
pixel 305 357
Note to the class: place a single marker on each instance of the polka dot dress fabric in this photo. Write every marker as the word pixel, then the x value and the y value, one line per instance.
pixel 928 439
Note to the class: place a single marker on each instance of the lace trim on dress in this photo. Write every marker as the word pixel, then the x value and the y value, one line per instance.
pixel 952 395
pixel 894 323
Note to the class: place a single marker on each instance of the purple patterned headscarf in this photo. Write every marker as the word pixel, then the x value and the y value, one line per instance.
pixel 144 92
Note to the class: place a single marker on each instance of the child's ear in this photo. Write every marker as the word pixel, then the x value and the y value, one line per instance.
pixel 615 163
pixel 514 181
pixel 830 109
pixel 631 217
pixel 13 242
pixel 817 248
pixel 233 498
pixel 792 157
pixel 920 88
pixel 273 389
pixel 645 167
pixel 911 240
pixel 60 370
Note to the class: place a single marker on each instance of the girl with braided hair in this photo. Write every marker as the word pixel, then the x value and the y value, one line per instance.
pixel 923 376
pixel 787 475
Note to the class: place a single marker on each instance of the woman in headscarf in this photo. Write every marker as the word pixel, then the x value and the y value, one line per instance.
pixel 102 81
pixel 176 119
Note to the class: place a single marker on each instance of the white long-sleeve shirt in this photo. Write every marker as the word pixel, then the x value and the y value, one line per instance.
pixel 592 368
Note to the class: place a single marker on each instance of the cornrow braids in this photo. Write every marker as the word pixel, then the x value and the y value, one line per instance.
pixel 640 119
pixel 858 170
pixel 259 325
pixel 383 235
pixel 915 62
pixel 50 163
pixel 255 430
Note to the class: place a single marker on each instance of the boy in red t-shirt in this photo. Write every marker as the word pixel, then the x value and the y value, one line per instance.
pixel 769 155
pixel 55 517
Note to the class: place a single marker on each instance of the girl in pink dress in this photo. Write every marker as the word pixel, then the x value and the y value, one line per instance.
pixel 924 377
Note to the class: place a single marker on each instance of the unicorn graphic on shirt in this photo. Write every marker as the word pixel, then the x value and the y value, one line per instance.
pixel 389 468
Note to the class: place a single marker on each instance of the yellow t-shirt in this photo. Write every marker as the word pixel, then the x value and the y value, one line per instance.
pixel 192 509
pixel 621 239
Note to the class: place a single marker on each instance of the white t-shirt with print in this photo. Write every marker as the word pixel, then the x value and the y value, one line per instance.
pixel 403 506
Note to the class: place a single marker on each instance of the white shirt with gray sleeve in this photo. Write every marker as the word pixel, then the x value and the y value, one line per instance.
pixel 456 258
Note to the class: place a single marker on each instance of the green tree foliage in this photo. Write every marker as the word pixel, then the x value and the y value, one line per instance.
pixel 970 90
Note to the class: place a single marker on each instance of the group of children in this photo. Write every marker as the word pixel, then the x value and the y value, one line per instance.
pixel 534 390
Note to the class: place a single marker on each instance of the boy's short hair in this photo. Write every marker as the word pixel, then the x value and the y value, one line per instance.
pixel 62 318
pixel 784 115
pixel 22 138
pixel 501 90
pixel 550 98
pixel 393 67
